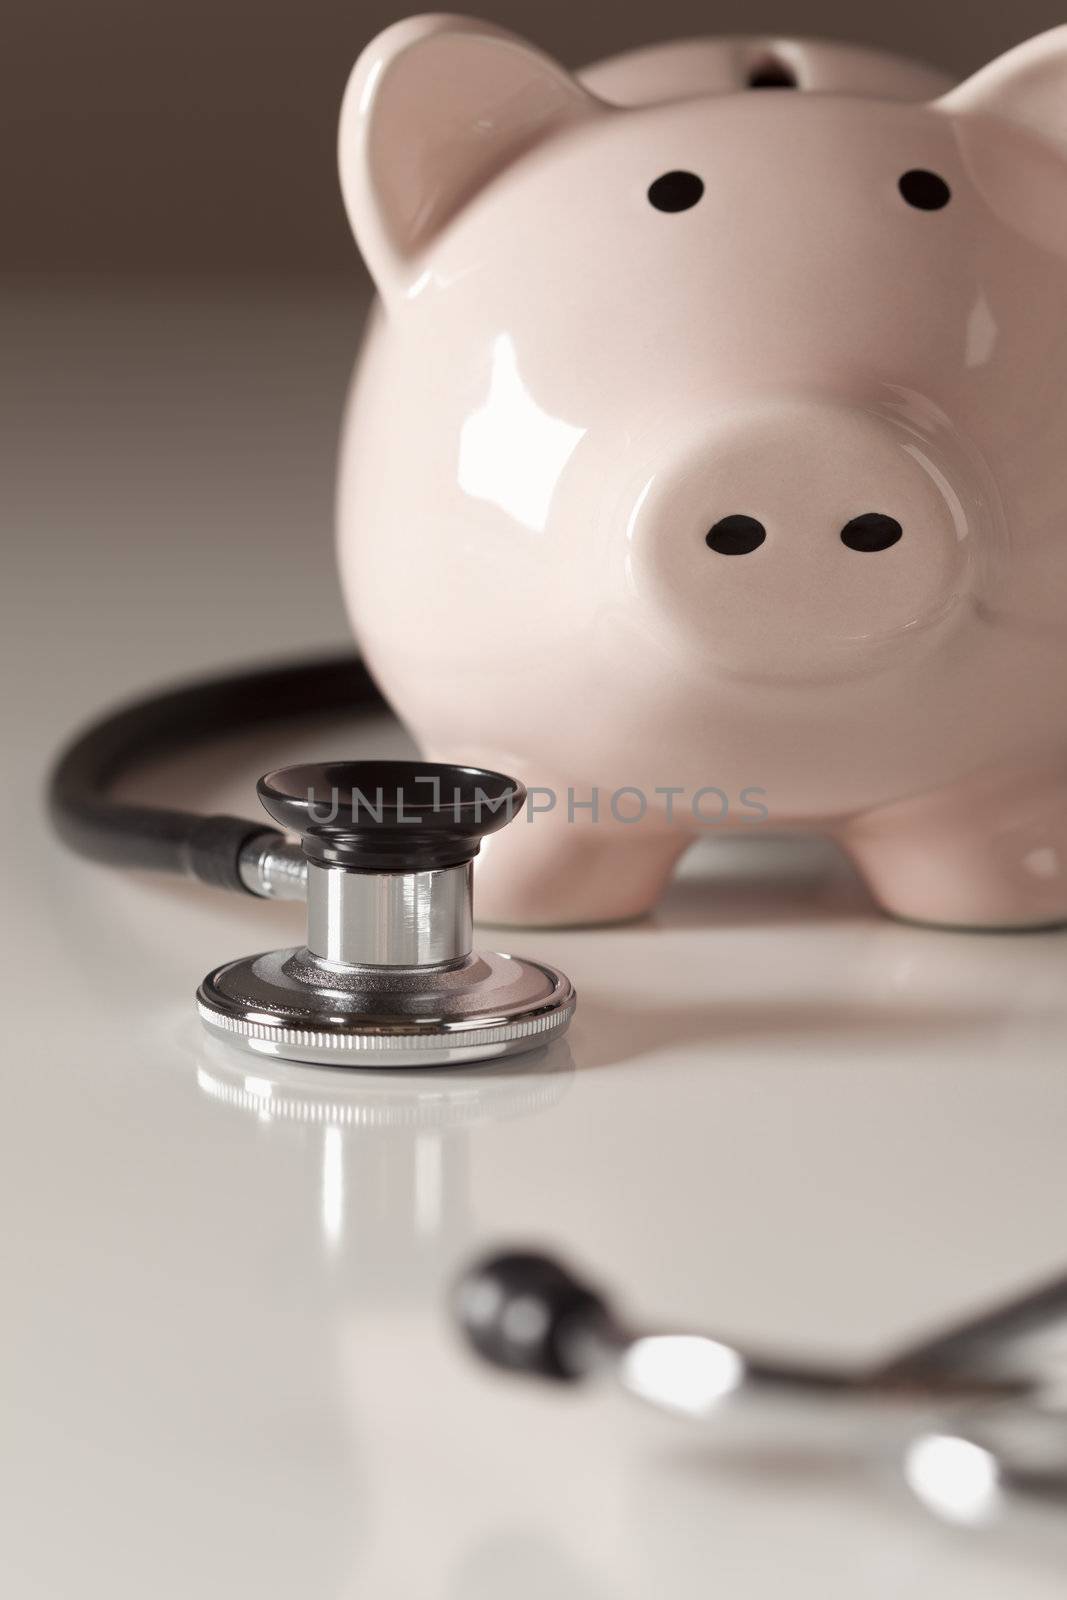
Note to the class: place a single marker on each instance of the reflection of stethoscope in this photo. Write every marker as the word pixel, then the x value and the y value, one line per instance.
pixel 392 1150
pixel 388 977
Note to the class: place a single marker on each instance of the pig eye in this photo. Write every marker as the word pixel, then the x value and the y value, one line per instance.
pixel 675 191
pixel 924 190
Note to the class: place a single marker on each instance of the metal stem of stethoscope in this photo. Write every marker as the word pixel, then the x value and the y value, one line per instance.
pixel 973 1414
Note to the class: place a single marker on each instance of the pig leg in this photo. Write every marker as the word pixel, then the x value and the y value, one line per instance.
pixel 991 854
pixel 549 871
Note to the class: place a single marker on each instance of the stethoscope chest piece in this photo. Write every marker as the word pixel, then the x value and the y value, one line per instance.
pixel 388 977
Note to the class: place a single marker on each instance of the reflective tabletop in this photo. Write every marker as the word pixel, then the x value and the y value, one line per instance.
pixel 229 1365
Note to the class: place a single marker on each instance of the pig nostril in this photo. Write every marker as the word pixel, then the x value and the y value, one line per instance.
pixel 736 536
pixel 872 531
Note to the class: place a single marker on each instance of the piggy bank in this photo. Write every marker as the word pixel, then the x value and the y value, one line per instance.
pixel 706 458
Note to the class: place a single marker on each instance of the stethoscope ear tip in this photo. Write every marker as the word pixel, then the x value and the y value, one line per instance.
pixel 523 1312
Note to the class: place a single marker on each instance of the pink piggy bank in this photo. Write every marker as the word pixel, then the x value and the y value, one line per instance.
pixel 706 460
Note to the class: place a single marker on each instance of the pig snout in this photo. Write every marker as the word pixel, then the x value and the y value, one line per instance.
pixel 799 539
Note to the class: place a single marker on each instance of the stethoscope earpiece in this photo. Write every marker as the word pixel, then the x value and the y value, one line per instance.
pixel 975 1417
pixel 388 976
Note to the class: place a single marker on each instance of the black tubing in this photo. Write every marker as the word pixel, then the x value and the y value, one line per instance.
pixel 208 848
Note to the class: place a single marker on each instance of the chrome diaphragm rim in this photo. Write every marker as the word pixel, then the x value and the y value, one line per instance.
pixel 286 1005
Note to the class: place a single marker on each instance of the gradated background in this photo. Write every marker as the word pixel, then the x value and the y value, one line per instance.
pixel 196 136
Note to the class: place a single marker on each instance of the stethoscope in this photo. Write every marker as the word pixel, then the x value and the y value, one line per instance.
pixel 973 1419
pixel 389 977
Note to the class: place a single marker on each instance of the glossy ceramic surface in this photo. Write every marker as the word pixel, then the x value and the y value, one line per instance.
pixel 566 389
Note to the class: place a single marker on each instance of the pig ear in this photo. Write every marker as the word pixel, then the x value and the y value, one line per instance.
pixel 436 106
pixel 1027 87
